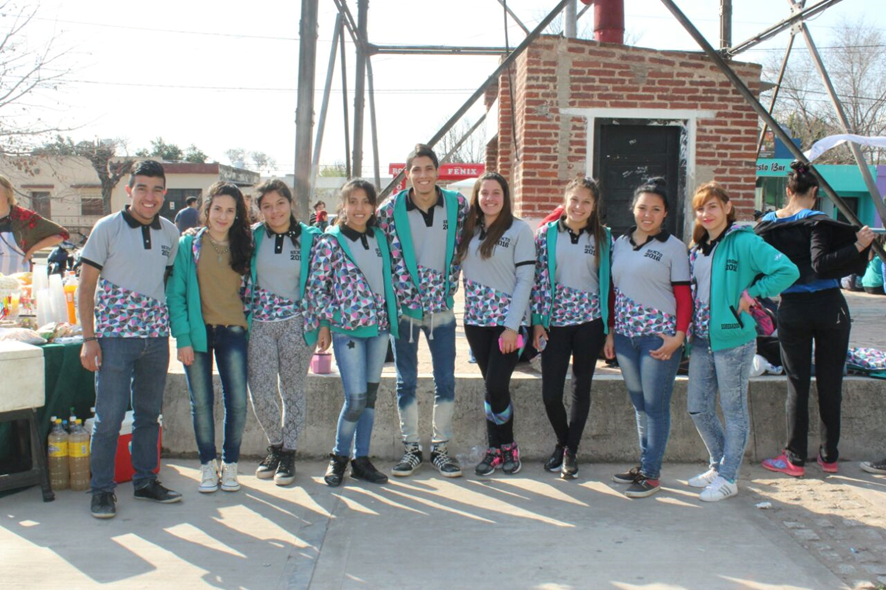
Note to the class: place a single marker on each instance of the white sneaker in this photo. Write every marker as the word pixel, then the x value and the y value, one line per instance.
pixel 720 489
pixel 208 477
pixel 229 481
pixel 703 480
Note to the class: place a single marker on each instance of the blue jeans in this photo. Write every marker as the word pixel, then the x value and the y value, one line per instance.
pixel 727 370
pixel 650 383
pixel 440 333
pixel 132 370
pixel 229 344
pixel 360 361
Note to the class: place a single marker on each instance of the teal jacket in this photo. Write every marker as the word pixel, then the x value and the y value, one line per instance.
pixel 544 290
pixel 743 260
pixel 183 296
pixel 308 236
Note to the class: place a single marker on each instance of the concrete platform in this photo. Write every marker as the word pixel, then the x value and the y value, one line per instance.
pixel 531 530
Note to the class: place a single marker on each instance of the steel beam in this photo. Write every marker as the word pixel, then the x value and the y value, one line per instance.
pixel 324 105
pixel 372 123
pixel 493 78
pixel 725 24
pixel 434 50
pixel 778 28
pixel 739 85
pixel 514 16
pixel 304 113
pixel 775 91
pixel 569 28
pixel 360 88
pixel 344 96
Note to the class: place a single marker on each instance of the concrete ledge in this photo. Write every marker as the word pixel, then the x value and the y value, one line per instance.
pixel 610 434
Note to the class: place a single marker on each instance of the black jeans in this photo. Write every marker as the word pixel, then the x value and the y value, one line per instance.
pixel 583 343
pixel 823 317
pixel 496 369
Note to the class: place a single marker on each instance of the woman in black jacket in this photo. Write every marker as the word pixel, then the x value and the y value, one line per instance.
pixel 813 310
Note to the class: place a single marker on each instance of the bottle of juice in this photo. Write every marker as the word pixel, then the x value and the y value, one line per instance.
pixel 57 446
pixel 78 453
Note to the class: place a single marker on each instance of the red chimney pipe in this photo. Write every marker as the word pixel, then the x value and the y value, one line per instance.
pixel 609 20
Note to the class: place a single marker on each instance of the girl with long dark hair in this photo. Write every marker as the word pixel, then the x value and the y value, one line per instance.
pixel 351 293
pixel 730 266
pixel 208 320
pixel 813 310
pixel 570 313
pixel 497 257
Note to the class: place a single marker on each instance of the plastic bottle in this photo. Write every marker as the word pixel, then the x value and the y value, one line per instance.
pixel 71 285
pixel 78 452
pixel 57 445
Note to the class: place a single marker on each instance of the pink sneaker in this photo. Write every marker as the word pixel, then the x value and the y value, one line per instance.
pixel 781 465
pixel 827 467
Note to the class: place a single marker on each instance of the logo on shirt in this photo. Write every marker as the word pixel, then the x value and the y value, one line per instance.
pixel 378 252
pixel 504 242
pixel 445 224
pixel 732 264
pixel 165 251
pixel 590 250
pixel 653 254
pixel 295 255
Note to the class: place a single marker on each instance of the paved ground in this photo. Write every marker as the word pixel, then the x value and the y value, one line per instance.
pixel 526 531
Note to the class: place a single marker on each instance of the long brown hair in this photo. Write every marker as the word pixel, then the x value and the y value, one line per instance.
pixel 475 216
pixel 239 234
pixel 594 220
pixel 707 191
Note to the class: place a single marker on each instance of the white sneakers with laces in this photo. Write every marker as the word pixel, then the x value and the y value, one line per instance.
pixel 229 481
pixel 719 489
pixel 208 477
pixel 703 480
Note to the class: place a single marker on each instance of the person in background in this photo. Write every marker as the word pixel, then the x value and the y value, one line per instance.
pixel 730 266
pixel 497 255
pixel 208 320
pixel 189 216
pixel 319 216
pixel 652 311
pixel 813 310
pixel 125 321
pixel 424 226
pixel 872 281
pixel 282 335
pixel 352 293
pixel 59 261
pixel 570 313
pixel 22 232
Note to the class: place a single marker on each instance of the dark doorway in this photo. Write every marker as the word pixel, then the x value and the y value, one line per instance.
pixel 176 200
pixel 627 155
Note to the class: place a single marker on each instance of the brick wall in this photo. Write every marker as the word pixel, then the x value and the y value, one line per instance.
pixel 557 73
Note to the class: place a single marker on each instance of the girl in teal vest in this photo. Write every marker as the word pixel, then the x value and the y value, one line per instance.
pixel 351 292
pixel 730 266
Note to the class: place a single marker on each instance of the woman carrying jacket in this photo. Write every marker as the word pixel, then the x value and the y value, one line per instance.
pixel 570 313
pixel 813 310
pixel 283 334
pixel 497 258
pixel 208 320
pixel 730 266
pixel 352 295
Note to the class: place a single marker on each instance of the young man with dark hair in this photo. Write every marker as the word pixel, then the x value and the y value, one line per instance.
pixel 126 333
pixel 424 226
pixel 189 216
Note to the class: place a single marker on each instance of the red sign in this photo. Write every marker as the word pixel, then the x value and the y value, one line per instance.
pixel 448 172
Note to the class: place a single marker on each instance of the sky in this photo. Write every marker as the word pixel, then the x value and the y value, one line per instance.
pixel 224 74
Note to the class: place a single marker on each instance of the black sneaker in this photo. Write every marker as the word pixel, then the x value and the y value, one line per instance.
pixel 490 462
pixel 362 468
pixel 569 470
pixel 155 492
pixel 875 466
pixel 103 505
pixel 642 487
pixel 446 465
pixel 411 460
pixel 285 473
pixel 268 467
pixel 555 461
pixel 510 456
pixel 627 477
pixel 335 473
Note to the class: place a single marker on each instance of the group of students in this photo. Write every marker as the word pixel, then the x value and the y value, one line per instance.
pixel 261 299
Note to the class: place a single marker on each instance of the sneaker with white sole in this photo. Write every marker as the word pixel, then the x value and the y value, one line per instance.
pixel 208 477
pixel 412 459
pixel 229 482
pixel 720 489
pixel 875 466
pixel 703 480
pixel 446 465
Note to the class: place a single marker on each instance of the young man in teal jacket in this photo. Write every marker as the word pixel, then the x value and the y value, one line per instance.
pixel 424 226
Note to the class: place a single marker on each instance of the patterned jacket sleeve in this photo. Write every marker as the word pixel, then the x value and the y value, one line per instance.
pixel 541 293
pixel 455 266
pixel 318 294
pixel 403 286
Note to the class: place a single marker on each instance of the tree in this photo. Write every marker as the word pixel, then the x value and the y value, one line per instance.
pixel 334 170
pixel 262 162
pixel 856 65
pixel 168 152
pixel 195 155
pixel 473 150
pixel 28 71
pixel 101 154
pixel 236 156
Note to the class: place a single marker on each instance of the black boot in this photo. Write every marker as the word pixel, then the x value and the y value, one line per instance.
pixel 362 468
pixel 335 473
pixel 555 461
pixel 570 465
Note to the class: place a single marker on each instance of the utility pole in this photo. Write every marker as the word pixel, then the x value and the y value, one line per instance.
pixel 569 26
pixel 304 112
pixel 360 85
pixel 725 24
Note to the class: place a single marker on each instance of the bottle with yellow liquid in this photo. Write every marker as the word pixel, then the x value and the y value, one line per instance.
pixel 78 457
pixel 57 446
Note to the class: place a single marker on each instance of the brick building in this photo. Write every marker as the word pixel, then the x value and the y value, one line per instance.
pixel 622 114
